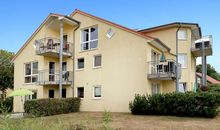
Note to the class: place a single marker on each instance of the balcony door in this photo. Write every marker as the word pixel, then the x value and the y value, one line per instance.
pixel 51 71
pixel 155 59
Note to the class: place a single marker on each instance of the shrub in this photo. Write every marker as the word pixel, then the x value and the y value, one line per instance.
pixel 204 104
pixel 7 103
pixel 47 107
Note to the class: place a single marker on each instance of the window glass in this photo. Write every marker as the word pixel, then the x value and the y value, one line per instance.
pixel 182 59
pixel 35 67
pixel 182 87
pixel 94 33
pixel 28 69
pixel 97 91
pixel 155 88
pixel 63 93
pixel 182 35
pixel 80 92
pixel 89 38
pixel 97 61
pixel 51 93
pixel 80 63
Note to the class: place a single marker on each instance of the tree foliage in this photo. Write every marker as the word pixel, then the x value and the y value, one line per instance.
pixel 6 70
pixel 210 71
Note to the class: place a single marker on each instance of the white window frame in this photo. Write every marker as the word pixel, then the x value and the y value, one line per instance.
pixel 30 97
pixel 77 67
pixel 89 41
pixel 184 66
pixel 94 91
pixel 182 31
pixel 185 87
pixel 83 92
pixel 31 75
pixel 157 86
pixel 94 61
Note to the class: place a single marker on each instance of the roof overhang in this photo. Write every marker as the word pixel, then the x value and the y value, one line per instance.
pixel 53 21
pixel 159 45
pixel 196 30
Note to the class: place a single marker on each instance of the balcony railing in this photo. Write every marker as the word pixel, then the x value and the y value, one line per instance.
pixel 52 77
pixel 163 70
pixel 197 46
pixel 51 47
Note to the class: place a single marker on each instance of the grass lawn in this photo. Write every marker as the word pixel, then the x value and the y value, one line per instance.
pixel 120 121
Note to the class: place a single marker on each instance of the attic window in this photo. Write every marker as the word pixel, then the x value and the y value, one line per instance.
pixel 110 33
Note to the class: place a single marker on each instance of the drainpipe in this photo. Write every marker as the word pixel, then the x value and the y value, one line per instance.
pixel 177 63
pixel 61 58
pixel 73 54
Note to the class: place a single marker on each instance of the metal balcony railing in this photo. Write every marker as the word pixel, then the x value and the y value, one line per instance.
pixel 50 46
pixel 52 77
pixel 163 70
pixel 197 46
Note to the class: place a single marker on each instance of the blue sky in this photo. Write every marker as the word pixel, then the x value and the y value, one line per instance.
pixel 20 18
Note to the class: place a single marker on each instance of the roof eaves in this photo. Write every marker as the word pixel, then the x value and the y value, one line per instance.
pixel 113 24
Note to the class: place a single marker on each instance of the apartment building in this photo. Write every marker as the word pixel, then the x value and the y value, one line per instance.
pixel 103 63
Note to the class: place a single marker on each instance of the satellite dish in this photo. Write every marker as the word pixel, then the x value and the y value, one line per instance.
pixel 110 33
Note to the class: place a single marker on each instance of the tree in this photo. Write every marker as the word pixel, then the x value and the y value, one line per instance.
pixel 6 71
pixel 210 71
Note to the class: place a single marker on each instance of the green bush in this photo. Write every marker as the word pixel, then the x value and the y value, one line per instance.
pixel 204 104
pixel 47 107
pixel 8 103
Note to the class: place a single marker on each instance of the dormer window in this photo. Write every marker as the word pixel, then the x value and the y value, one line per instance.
pixel 89 38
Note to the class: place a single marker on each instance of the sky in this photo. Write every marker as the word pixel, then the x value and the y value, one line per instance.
pixel 20 18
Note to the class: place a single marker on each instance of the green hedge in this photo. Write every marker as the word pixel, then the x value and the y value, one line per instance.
pixel 178 104
pixel 47 107
pixel 8 103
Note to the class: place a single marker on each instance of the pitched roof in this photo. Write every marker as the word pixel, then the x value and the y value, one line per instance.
pixel 209 79
pixel 174 24
pixel 121 27
pixel 38 29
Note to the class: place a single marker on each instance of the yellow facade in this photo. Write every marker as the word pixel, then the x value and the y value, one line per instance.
pixel 123 72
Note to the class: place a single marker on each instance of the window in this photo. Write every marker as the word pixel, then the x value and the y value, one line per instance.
pixel 97 61
pixel 155 88
pixel 30 97
pixel 80 92
pixel 97 92
pixel 63 93
pixel 182 35
pixel 182 59
pixel 80 63
pixel 31 72
pixel 51 93
pixel 182 87
pixel 89 38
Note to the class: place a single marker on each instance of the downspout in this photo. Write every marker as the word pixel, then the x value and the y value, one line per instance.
pixel 177 63
pixel 61 58
pixel 73 56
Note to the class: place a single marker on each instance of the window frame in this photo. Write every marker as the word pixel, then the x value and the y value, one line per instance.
pixel 184 87
pixel 94 97
pixel 30 97
pixel 185 60
pixel 178 35
pixel 89 39
pixel 94 61
pixel 157 86
pixel 49 93
pixel 83 92
pixel 31 71
pixel 77 66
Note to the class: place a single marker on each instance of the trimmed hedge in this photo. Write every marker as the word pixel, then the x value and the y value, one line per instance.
pixel 190 104
pixel 51 106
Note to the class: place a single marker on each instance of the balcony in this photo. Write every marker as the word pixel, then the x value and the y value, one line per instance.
pixel 197 46
pixel 51 46
pixel 163 70
pixel 51 77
